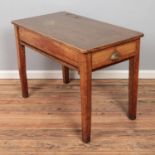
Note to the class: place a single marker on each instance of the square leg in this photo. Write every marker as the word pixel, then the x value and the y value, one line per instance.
pixel 85 89
pixel 133 83
pixel 21 64
pixel 65 74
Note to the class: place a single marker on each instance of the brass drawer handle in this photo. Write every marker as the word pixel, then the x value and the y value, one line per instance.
pixel 115 56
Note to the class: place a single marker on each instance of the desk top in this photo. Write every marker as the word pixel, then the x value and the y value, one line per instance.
pixel 78 32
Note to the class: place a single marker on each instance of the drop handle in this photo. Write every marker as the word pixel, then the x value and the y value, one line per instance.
pixel 115 56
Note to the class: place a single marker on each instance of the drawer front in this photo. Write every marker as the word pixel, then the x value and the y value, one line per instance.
pixel 113 55
pixel 49 46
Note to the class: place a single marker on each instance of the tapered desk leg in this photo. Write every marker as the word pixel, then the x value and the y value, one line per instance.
pixel 133 83
pixel 65 74
pixel 21 64
pixel 85 88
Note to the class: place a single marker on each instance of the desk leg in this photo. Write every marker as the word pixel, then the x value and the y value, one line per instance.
pixel 65 74
pixel 21 64
pixel 85 89
pixel 133 83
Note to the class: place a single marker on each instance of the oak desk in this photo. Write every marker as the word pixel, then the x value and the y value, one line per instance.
pixel 84 45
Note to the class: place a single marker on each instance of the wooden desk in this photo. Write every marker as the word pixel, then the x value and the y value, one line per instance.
pixel 84 45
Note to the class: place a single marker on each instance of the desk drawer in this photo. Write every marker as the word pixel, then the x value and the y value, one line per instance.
pixel 113 55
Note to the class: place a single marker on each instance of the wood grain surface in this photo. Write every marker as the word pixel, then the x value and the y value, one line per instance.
pixel 49 122
pixel 79 32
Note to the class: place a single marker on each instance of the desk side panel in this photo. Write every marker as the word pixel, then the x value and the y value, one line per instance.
pixel 49 46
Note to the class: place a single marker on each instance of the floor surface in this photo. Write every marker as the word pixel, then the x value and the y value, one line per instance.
pixel 49 122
